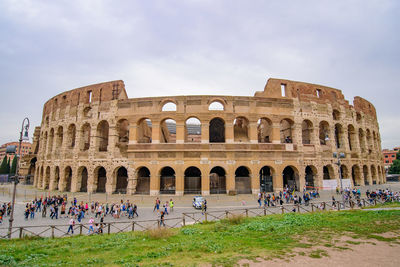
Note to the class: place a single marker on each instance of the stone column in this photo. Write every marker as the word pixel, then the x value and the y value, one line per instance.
pixel 253 132
pixel 110 180
pixel 255 178
pixel 230 178
pixel 154 181
pixel 276 133
pixel 92 180
pixel 180 132
pixel 205 180
pixel 205 132
pixel 61 183
pixel 302 178
pixel 52 183
pixel 229 137
pixel 155 132
pixel 113 138
pixel 132 180
pixel 179 180
pixel 277 178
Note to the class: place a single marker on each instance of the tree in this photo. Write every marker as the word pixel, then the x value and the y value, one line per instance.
pixel 13 166
pixel 3 166
pixel 8 166
pixel 395 167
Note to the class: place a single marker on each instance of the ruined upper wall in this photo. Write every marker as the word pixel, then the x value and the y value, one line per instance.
pixel 362 105
pixel 88 94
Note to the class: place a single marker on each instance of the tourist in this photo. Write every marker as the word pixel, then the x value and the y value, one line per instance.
pixel 91 229
pixel 171 205
pixel 71 225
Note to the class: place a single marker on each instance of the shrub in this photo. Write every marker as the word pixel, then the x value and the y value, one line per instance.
pixel 235 219
pixel 159 233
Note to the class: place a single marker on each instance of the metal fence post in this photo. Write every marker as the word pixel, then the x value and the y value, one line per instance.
pixel 109 228
pixel 298 208
pixel 52 231
pixel 183 219
pixel 80 229
pixel 133 226
pixel 265 211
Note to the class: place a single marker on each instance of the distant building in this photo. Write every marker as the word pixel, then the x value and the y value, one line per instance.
pixel 389 156
pixel 25 149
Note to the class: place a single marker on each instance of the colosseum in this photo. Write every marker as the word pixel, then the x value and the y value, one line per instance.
pixel 292 134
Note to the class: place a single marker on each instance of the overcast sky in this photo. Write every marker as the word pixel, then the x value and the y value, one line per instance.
pixel 197 47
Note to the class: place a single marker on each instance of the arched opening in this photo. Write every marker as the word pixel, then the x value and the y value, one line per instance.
pixel 143 181
pixel 193 130
pixel 264 130
pixel 291 178
pixel 168 131
pixel 85 137
pixel 101 180
pixel 266 182
pixel 71 135
pixel 369 141
pixel 365 175
pixel 144 131
pixel 242 180
pixel 286 131
pixel 328 172
pixel 311 171
pixel 356 175
pixel 217 180
pixel 84 180
pixel 51 141
pixel 339 135
pixel 358 117
pixel 373 175
pixel 41 178
pixel 375 143
pixel 361 136
pixel 192 181
pixel 31 171
pixel 167 181
pixel 122 180
pixel 102 136
pixel 217 130
pixel 169 106
pixel 68 179
pixel 60 137
pixel 56 178
pixel 47 178
pixel 351 132
pixel 336 115
pixel 307 131
pixel 123 131
pixel 323 132
pixel 215 105
pixel 344 172
pixel 45 143
pixel 241 129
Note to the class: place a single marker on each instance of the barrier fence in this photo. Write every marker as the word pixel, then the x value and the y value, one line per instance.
pixel 187 218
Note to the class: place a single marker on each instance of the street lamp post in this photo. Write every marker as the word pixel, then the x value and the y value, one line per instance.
pixel 16 175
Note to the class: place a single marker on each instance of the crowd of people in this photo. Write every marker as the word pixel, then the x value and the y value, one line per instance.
pixel 288 196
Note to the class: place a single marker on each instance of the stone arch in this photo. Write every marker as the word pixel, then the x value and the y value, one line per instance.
pixel 121 180
pixel 192 130
pixel 286 131
pixel 168 105
pixel 216 105
pixel 51 141
pixel 217 180
pixel 143 181
pixel 241 129
pixel 83 178
pixel 47 179
pixel 60 137
pixel 366 174
pixel 328 172
pixel 375 143
pixel 144 131
pixel 167 180
pixel 266 179
pixel 71 136
pixel 291 178
pixel 339 135
pixel 344 171
pixel 217 130
pixel 102 135
pixel 264 130
pixel 358 117
pixel 192 180
pixel 361 138
pixel 168 131
pixel 351 135
pixel 31 171
pixel 373 175
pixel 311 173
pixel 56 178
pixel 242 180
pixel 356 175
pixel 307 130
pixel 67 179
pixel 324 131
pixel 336 115
pixel 100 175
pixel 369 141
pixel 85 137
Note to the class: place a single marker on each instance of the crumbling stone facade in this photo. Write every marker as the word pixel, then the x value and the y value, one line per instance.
pixel 96 139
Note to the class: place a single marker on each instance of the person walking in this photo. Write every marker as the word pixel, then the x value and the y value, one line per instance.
pixel 71 225
pixel 91 221
pixel 171 205
pixel 162 222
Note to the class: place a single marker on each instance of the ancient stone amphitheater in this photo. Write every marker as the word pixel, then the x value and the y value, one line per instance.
pixel 96 139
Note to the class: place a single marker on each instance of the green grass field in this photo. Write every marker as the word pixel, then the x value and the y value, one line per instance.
pixel 221 243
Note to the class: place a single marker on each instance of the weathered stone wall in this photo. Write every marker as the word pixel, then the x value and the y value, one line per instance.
pixel 115 144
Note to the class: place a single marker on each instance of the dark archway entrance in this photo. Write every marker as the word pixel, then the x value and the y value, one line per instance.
pixel 266 183
pixel 192 181
pixel 290 179
pixel 143 181
pixel 101 180
pixel 167 181
pixel 309 178
pixel 84 179
pixel 242 180
pixel 217 131
pixel 57 178
pixel 217 181
pixel 68 179
pixel 122 180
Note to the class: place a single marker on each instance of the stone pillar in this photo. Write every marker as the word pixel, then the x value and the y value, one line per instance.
pixel 205 180
pixel 253 132
pixel 229 137
pixel 61 183
pixel 154 181
pixel 180 132
pixel 277 178
pixel 155 132
pixel 132 180
pixel 255 179
pixel 52 183
pixel 179 180
pixel 205 132
pixel 345 140
pixel 92 181
pixel 297 134
pixel 113 137
pixel 230 178
pixel 110 180
pixel 75 181
pixel 302 178
pixel 276 133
